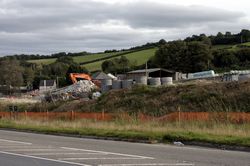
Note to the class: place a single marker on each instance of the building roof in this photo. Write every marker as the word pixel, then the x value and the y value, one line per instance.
pixel 48 82
pixel 150 71
pixel 100 76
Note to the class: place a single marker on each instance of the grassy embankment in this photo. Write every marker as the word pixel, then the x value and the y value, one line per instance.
pixel 212 132
pixel 218 97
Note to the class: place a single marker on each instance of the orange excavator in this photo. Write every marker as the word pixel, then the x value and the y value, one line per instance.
pixel 81 76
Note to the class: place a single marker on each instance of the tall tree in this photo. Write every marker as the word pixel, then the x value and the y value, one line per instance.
pixel 183 56
pixel 28 76
pixel 11 73
pixel 199 57
pixel 169 56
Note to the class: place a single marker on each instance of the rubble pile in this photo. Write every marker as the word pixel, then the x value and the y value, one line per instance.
pixel 82 86
pixel 80 89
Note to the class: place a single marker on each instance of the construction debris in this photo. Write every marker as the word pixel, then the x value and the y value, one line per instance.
pixel 80 89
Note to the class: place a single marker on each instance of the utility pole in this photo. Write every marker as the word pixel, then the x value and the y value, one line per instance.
pixel 57 81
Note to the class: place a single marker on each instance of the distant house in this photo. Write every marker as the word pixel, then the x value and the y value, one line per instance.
pixel 47 85
pixel 155 72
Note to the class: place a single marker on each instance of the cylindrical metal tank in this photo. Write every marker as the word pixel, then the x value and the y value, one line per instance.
pixel 142 80
pixel 106 82
pixel 106 88
pixel 116 84
pixel 166 80
pixel 127 84
pixel 244 77
pixel 155 81
pixel 106 85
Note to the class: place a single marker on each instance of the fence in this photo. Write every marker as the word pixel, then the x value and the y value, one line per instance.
pixel 235 117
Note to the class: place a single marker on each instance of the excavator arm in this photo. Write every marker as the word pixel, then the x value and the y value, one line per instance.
pixel 76 76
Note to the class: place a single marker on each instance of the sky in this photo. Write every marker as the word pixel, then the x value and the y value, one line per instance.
pixel 51 26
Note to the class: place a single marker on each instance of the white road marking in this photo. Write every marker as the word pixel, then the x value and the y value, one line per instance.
pixel 150 164
pixel 23 146
pixel 100 158
pixel 41 158
pixel 19 142
pixel 33 150
pixel 118 154
pixel 63 153
pixel 13 146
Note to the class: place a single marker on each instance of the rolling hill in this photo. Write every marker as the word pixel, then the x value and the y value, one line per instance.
pixel 94 61
pixel 231 47
pixel 139 57
pixel 77 59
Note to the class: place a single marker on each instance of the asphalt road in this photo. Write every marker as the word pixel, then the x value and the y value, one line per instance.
pixel 27 149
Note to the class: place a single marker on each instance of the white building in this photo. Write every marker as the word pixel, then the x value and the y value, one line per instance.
pixel 47 85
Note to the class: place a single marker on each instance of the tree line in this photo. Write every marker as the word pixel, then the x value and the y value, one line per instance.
pixel 220 38
pixel 192 54
pixel 15 73
pixel 195 56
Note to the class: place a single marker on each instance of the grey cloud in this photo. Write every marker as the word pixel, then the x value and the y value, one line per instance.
pixel 75 25
pixel 35 15
pixel 165 16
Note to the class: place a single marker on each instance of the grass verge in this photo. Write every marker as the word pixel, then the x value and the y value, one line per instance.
pixel 202 132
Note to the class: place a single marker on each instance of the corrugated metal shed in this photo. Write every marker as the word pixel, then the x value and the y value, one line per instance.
pixel 154 72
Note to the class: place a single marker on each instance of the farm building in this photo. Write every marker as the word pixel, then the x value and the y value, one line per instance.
pixel 100 76
pixel 47 85
pixel 156 72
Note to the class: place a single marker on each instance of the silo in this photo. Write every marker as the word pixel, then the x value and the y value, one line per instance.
pixel 106 82
pixel 116 84
pixel 106 88
pixel 142 80
pixel 167 81
pixel 244 77
pixel 155 81
pixel 127 84
pixel 106 85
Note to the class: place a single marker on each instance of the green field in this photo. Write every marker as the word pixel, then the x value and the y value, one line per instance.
pixel 86 58
pixel 219 47
pixel 230 46
pixel 139 57
pixel 43 61
pixel 77 59
pixel 246 44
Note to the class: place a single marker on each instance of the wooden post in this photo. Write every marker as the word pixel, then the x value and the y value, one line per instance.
pixel 179 115
pixel 26 115
pixel 72 115
pixel 103 114
pixel 47 115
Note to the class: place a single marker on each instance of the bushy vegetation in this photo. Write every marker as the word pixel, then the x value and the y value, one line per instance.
pixel 157 102
pixel 218 97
